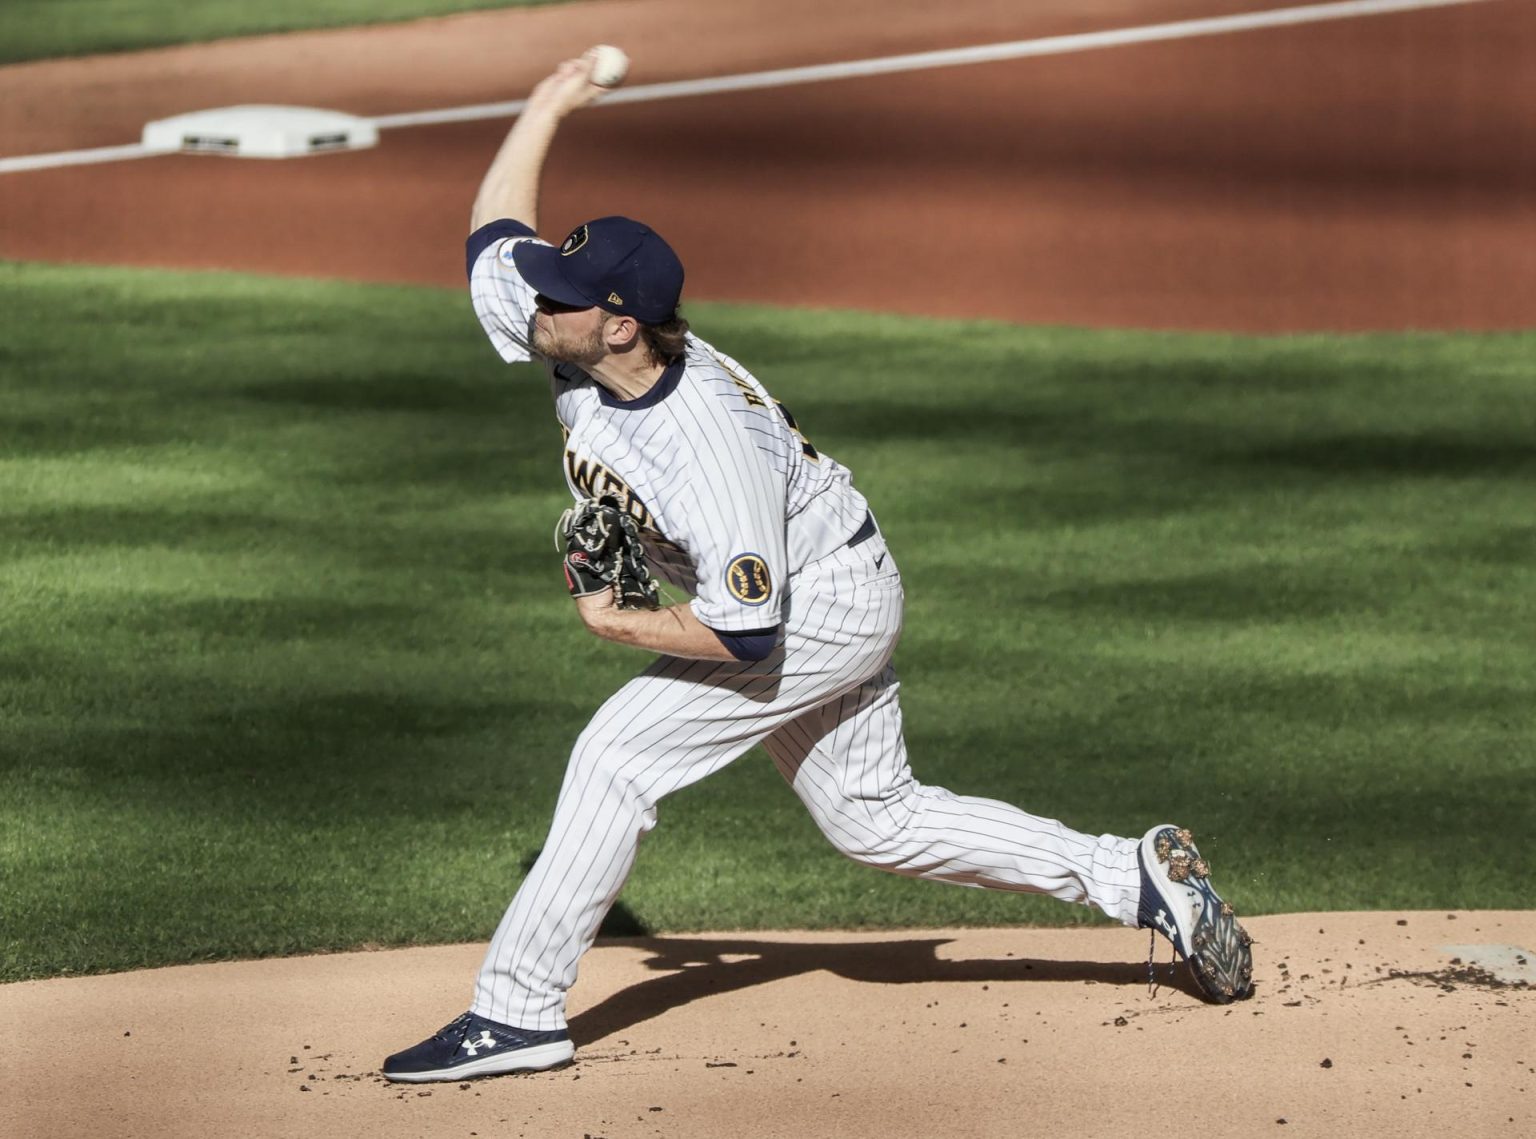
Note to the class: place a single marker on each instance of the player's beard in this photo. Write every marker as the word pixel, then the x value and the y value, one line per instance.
pixel 583 351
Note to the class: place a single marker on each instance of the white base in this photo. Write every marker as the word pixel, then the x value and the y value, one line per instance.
pixel 257 131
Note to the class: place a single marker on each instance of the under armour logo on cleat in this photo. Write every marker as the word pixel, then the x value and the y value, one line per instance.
pixel 486 1041
pixel 1163 923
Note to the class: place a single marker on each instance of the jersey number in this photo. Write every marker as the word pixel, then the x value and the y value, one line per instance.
pixel 805 444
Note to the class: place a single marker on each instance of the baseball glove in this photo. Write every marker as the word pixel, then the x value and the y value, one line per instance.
pixel 602 551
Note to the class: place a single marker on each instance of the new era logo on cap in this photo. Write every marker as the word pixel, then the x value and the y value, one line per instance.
pixel 614 263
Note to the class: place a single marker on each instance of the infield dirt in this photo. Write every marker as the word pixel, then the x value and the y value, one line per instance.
pixel 1364 173
pixel 1362 1025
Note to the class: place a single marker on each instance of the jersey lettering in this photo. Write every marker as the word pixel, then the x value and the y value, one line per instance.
pixel 752 398
pixel 749 393
pixel 805 444
pixel 593 480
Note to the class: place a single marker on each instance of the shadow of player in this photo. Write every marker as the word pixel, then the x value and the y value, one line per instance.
pixel 695 969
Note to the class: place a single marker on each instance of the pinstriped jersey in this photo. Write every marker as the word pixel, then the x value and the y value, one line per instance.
pixel 730 498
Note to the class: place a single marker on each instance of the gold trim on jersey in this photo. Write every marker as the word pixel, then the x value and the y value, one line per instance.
pixel 593 480
pixel 748 579
pixel 747 391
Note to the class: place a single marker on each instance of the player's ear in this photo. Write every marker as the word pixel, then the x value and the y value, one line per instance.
pixel 621 332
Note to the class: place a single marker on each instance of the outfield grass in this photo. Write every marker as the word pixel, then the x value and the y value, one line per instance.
pixel 39 29
pixel 286 663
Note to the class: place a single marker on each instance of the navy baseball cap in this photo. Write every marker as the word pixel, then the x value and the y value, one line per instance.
pixel 614 263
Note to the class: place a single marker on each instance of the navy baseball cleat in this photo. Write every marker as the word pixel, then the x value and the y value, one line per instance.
pixel 1178 901
pixel 473 1046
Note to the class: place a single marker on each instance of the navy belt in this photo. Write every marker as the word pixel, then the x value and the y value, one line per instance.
pixel 865 532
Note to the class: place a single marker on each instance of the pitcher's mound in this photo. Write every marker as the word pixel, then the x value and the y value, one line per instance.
pixel 1386 1024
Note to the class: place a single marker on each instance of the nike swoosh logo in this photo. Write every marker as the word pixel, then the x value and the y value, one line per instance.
pixel 879 561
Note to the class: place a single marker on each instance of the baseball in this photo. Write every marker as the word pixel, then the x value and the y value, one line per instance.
pixel 609 65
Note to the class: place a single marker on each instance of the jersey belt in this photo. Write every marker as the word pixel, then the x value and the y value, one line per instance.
pixel 865 532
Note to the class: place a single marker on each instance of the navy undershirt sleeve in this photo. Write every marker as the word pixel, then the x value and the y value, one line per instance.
pixel 487 235
pixel 755 644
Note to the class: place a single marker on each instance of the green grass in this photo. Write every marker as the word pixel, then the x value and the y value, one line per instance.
pixel 40 29
pixel 286 665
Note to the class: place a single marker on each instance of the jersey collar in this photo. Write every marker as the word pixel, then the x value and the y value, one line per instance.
pixel 660 390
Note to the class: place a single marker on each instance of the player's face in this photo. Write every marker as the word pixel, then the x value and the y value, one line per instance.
pixel 569 335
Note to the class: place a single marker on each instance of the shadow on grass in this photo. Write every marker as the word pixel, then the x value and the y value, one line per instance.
pixel 695 969
pixel 1427 454
pixel 385 391
pixel 318 545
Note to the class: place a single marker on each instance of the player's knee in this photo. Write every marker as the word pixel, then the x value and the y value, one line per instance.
pixel 603 764
pixel 881 838
pixel 867 851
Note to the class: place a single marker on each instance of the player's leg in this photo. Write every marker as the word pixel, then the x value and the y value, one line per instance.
pixel 673 725
pixel 654 736
pixel 847 761
pixel 665 729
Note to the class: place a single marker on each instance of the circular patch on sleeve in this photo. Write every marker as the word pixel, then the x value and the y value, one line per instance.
pixel 747 579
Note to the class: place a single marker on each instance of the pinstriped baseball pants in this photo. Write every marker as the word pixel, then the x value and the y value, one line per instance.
pixel 825 708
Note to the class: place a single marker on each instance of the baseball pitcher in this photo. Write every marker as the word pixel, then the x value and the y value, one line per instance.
pixel 683 466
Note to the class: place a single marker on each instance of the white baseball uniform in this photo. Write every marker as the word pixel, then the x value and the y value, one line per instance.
pixel 771 539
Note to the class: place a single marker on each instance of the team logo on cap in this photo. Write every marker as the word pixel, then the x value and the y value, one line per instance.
pixel 747 579
pixel 571 244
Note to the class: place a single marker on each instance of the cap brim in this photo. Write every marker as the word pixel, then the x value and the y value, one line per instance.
pixel 539 265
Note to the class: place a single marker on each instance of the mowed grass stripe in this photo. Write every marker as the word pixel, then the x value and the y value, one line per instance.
pixel 39 29
pixel 287 665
